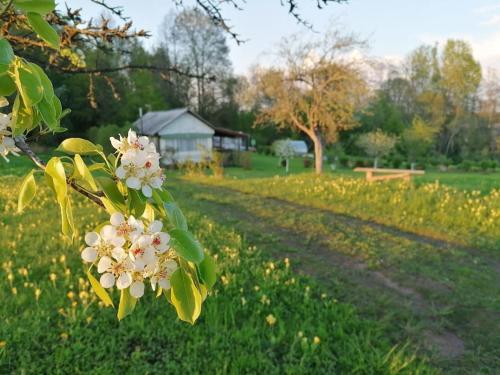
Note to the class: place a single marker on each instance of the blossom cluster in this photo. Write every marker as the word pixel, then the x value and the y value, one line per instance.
pixel 7 143
pixel 139 163
pixel 128 252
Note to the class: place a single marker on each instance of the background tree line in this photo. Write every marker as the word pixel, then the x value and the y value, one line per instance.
pixel 439 102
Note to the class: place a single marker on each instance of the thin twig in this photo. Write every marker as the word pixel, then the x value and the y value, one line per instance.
pixel 6 8
pixel 24 147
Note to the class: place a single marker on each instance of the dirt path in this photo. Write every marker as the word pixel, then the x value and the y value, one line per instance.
pixel 421 303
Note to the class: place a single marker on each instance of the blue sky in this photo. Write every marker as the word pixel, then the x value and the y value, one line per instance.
pixel 393 27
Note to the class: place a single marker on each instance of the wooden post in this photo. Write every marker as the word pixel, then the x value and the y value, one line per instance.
pixel 369 176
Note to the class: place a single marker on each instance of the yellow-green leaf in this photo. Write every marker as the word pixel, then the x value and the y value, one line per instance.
pixel 99 290
pixel 68 225
pixel 44 30
pixel 28 84
pixel 55 170
pixel 127 304
pixel 185 297
pixel 27 191
pixel 79 146
pixel 83 173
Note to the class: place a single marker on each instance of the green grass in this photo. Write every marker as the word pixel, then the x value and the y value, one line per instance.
pixel 57 326
pixel 267 166
pixel 429 292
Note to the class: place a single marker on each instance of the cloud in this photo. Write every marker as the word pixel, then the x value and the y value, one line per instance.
pixel 492 21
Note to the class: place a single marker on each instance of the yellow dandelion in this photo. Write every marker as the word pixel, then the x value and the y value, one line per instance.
pixel 3 344
pixel 271 320
pixel 316 340
pixel 38 292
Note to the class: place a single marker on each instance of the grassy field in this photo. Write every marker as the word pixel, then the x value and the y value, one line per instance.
pixel 439 294
pixel 310 281
pixel 267 166
pixel 261 317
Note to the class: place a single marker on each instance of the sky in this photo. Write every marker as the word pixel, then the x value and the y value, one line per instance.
pixel 392 27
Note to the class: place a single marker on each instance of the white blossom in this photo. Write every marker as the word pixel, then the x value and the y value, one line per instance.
pixel 129 252
pixel 139 163
pixel 7 143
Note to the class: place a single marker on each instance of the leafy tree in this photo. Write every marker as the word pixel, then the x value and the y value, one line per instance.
pixel 314 91
pixel 418 139
pixel 376 144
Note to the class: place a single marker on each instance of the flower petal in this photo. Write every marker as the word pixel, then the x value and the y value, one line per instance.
pixel 118 253
pixel 120 172
pixel 117 218
pixel 91 238
pixel 108 233
pixel 147 191
pixel 89 254
pixel 164 283
pixel 137 289
pixel 107 280
pixel 155 226
pixel 124 280
pixel 133 183
pixel 104 264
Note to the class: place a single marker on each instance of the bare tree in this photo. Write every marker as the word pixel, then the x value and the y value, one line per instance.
pixel 315 90
pixel 194 43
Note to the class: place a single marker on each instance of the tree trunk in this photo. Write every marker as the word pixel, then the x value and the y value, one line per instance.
pixel 318 153
pixel 375 162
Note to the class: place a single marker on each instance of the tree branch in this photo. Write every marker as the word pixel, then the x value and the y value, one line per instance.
pixel 6 8
pixel 24 147
pixel 135 67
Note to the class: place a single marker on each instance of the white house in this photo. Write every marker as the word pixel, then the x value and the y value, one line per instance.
pixel 181 135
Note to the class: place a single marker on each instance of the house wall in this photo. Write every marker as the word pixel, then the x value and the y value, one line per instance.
pixel 187 138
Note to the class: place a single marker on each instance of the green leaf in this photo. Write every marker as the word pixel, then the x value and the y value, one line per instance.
pixel 27 191
pixel 28 84
pixel 22 117
pixel 99 290
pixel 185 296
pixel 48 89
pixel 207 270
pixel 79 146
pixel 127 304
pixel 58 107
pixel 7 85
pixel 6 52
pixel 38 6
pixel 55 170
pixel 44 30
pixel 84 173
pixel 110 189
pixel 136 202
pixel 176 216
pixel 48 113
pixel 186 245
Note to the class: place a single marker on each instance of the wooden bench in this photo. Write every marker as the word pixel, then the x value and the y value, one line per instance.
pixel 388 174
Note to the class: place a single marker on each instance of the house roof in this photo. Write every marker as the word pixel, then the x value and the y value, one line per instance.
pixel 151 123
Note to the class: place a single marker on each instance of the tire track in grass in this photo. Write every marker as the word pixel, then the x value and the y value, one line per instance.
pixel 448 344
